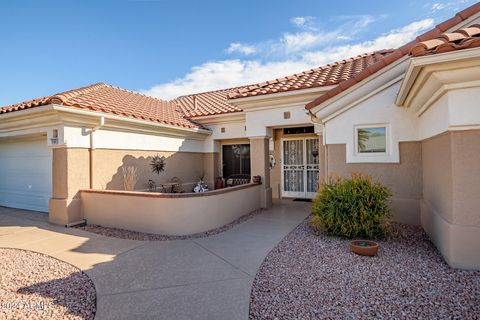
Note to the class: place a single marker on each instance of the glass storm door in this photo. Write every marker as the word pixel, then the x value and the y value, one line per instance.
pixel 299 168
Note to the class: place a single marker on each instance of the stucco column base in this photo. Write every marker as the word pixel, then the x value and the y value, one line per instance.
pixel 260 165
pixel 63 211
pixel 266 198
pixel 457 243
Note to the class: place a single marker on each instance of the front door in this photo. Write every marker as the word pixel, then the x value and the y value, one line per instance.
pixel 300 167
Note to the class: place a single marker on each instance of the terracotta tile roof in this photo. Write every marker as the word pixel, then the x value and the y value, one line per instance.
pixel 105 98
pixel 206 103
pixel 327 75
pixel 464 38
pixel 396 55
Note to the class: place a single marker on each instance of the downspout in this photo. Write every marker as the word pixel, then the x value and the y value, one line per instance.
pixel 92 147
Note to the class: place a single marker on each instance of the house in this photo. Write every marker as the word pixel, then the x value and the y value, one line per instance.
pixel 407 116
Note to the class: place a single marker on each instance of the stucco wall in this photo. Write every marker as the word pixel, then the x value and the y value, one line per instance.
pixel 108 164
pixel 404 178
pixel 169 214
pixel 70 173
pixel 451 184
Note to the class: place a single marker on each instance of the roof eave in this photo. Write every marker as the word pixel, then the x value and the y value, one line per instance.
pixel 417 63
pixel 269 96
pixel 325 109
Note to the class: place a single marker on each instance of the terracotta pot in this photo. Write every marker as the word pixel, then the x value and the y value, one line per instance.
pixel 257 179
pixel 219 183
pixel 364 247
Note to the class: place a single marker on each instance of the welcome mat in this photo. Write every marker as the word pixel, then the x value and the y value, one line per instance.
pixel 302 200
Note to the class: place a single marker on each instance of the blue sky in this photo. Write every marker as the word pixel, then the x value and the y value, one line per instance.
pixel 169 48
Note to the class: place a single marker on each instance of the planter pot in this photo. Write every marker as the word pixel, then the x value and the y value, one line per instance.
pixel 364 247
pixel 257 179
pixel 219 183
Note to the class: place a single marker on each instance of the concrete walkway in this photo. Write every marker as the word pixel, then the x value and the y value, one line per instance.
pixel 206 278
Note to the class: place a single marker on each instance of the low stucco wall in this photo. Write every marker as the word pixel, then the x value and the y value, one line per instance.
pixel 169 214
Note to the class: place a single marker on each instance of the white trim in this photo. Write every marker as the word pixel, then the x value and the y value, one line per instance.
pixel 221 118
pixel 364 98
pixel 370 83
pixel 417 63
pixel 280 94
pixel 392 149
pixel 371 154
pixel 129 120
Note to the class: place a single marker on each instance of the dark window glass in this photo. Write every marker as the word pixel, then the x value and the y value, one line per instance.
pixel 236 159
pixel 298 130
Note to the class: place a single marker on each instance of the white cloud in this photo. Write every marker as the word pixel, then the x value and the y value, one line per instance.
pixel 393 39
pixel 225 74
pixel 241 48
pixel 438 6
pixel 231 73
pixel 302 22
pixel 447 5
pixel 299 41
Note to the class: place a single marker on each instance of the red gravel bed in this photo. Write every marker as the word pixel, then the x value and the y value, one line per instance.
pixel 315 276
pixel 142 236
pixel 36 286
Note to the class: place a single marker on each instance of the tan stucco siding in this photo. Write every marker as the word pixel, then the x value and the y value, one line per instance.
pixel 404 178
pixel 211 168
pixel 452 176
pixel 451 184
pixel 437 175
pixel 466 177
pixel 108 164
pixel 70 173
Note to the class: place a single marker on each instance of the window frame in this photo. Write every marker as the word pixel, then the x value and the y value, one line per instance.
pixel 358 153
pixel 221 155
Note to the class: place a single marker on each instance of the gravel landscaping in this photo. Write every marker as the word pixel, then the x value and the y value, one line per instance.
pixel 36 286
pixel 315 276
pixel 142 236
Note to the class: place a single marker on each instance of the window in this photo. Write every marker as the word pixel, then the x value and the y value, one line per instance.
pixel 236 159
pixel 372 140
pixel 298 130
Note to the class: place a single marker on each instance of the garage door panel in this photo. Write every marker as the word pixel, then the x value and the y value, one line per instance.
pixel 25 174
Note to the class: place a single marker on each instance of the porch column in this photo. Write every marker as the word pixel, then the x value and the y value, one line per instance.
pixel 260 166
pixel 70 173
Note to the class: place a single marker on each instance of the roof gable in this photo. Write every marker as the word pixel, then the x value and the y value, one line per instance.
pixel 395 55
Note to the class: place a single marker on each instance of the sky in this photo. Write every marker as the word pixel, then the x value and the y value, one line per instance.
pixel 171 48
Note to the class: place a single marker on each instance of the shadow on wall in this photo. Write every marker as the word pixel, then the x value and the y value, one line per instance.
pixel 187 166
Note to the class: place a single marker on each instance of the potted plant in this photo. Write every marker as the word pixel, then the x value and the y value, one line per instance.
pixel 219 184
pixel 364 247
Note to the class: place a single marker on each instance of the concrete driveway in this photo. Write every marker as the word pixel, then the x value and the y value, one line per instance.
pixel 206 278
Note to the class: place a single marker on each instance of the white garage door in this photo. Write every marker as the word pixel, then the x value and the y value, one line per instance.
pixel 25 174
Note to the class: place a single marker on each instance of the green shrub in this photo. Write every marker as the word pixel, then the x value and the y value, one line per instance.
pixel 353 208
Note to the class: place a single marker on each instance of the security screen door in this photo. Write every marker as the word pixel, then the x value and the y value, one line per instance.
pixel 299 168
